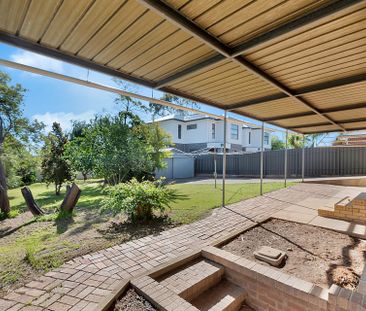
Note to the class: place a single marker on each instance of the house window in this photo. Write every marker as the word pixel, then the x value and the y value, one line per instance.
pixel 213 130
pixel 179 131
pixel 266 138
pixel 249 137
pixel 234 131
pixel 191 127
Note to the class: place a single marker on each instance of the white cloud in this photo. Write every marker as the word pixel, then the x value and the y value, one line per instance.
pixel 37 60
pixel 64 118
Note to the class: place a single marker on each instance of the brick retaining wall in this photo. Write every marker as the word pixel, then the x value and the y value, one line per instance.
pixel 269 289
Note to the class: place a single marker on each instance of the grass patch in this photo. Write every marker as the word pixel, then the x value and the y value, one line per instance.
pixel 46 198
pixel 201 198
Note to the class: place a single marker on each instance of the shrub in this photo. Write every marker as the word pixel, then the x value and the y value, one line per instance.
pixel 139 200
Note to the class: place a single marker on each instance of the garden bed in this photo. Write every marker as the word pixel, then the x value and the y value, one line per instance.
pixel 131 301
pixel 317 255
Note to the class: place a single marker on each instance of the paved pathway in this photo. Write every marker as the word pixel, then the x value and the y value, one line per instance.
pixel 81 283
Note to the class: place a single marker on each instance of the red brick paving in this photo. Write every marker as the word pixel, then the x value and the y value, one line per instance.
pixel 82 282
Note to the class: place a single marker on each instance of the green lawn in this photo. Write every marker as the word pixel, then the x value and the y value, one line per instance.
pixel 46 198
pixel 201 198
pixel 198 198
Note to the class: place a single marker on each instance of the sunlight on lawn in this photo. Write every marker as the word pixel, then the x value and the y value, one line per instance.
pixel 201 198
pixel 198 198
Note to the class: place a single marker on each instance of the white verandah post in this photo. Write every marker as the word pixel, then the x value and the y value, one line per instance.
pixel 224 161
pixel 303 159
pixel 285 164
pixel 262 159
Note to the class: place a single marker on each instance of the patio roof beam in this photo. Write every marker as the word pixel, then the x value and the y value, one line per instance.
pixel 334 7
pixel 303 91
pixel 106 88
pixel 348 121
pixel 324 111
pixel 264 76
pixel 72 59
pixel 181 21
pixel 174 16
pixel 240 49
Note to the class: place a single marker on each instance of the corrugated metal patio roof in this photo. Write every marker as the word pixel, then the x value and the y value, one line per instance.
pixel 297 64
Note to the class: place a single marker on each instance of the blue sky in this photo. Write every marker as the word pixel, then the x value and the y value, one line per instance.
pixel 50 100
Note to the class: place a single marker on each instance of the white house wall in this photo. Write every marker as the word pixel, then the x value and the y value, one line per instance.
pixel 203 134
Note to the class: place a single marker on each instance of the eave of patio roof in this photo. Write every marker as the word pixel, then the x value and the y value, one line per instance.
pixel 297 65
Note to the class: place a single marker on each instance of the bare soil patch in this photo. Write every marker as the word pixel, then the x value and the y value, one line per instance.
pixel 131 301
pixel 317 255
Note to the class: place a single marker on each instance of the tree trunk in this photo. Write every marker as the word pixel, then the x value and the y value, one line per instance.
pixel 57 188
pixel 4 199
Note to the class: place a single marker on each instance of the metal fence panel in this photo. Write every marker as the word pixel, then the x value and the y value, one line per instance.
pixel 323 161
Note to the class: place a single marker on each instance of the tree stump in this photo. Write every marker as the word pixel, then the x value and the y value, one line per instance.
pixel 31 203
pixel 71 198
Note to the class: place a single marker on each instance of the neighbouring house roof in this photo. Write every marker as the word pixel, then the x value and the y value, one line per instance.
pixel 184 118
pixel 194 117
pixel 351 139
pixel 299 65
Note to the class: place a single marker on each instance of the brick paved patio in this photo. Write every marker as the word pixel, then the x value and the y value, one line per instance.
pixel 81 283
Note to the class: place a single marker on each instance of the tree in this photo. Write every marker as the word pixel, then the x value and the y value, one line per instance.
pixel 78 150
pixel 161 110
pixel 128 103
pixel 277 144
pixel 295 141
pixel 22 166
pixel 55 166
pixel 14 124
pixel 120 151
pixel 157 141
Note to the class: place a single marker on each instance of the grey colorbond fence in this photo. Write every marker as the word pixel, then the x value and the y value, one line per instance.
pixel 323 161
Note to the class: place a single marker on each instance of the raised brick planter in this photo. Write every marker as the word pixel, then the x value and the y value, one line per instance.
pixel 270 289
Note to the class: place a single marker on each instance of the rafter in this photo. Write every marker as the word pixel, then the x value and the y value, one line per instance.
pixel 346 121
pixel 302 91
pixel 323 111
pixel 302 21
pixel 189 26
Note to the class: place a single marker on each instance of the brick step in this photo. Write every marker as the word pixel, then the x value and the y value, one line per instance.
pixel 224 296
pixel 343 204
pixel 189 282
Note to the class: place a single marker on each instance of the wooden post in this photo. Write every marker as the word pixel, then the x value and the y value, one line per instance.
pixel 31 203
pixel 71 198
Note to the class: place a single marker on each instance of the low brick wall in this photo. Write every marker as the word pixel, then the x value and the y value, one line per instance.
pixel 348 209
pixel 269 289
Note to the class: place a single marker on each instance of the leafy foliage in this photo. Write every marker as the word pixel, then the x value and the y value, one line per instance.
pixel 14 126
pixel 277 144
pixel 78 150
pixel 139 200
pixel 55 166
pixel 160 110
pixel 21 166
pixel 118 151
